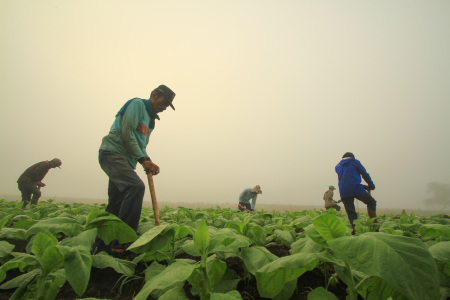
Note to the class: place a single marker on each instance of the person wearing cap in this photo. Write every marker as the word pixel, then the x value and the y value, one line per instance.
pixel 246 195
pixel 328 197
pixel 350 171
pixel 30 182
pixel 122 149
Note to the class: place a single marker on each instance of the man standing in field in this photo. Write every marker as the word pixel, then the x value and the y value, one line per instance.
pixel 246 195
pixel 122 149
pixel 349 171
pixel 328 197
pixel 30 182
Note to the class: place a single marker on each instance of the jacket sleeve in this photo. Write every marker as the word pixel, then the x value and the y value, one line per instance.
pixel 130 121
pixel 254 202
pixel 365 175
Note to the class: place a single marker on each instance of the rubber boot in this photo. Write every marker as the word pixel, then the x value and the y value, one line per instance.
pixel 372 215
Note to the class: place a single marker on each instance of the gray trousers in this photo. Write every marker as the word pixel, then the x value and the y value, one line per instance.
pixel 125 191
pixel 125 188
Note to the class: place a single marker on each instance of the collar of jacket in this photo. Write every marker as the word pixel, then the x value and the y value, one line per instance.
pixel 149 108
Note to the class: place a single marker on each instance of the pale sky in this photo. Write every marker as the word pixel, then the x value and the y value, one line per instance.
pixel 268 92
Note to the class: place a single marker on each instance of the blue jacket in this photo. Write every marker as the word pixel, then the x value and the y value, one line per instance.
pixel 246 195
pixel 349 173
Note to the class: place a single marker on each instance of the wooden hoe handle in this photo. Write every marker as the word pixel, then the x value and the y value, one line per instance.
pixel 241 206
pixel 154 202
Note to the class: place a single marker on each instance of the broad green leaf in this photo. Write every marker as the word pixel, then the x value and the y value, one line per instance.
pixel 405 263
pixel 13 233
pixel 24 224
pixel 51 259
pixel 287 291
pixel 77 264
pixel 228 282
pixel 68 226
pixel 23 263
pixel 233 295
pixel 96 215
pixel 5 248
pixel 313 234
pixel 305 244
pixel 215 269
pixel 154 270
pixel 320 293
pixel 301 222
pixel 404 218
pixel 329 227
pixel 257 235
pixel 272 277
pixel 441 251
pixel 257 257
pixel 435 230
pixel 197 281
pixel 228 240
pixel 176 272
pixel 102 261
pixel 177 293
pixel 110 227
pixel 4 220
pixel 180 231
pixel 23 285
pixel 376 288
pixel 189 248
pixel 143 243
pixel 392 231
pixel 201 238
pixel 41 242
pixel 17 281
pixel 54 286
pixel 236 225
pixel 84 239
pixel 285 237
pixel 119 230
pixel 328 257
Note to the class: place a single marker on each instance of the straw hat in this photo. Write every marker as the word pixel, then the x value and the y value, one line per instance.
pixel 256 189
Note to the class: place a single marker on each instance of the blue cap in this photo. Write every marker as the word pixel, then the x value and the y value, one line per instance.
pixel 332 187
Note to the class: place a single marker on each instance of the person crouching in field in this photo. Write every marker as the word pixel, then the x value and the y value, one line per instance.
pixel 119 153
pixel 30 182
pixel 328 197
pixel 246 195
pixel 349 171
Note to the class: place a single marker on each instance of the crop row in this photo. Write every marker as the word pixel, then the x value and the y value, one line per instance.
pixel 407 259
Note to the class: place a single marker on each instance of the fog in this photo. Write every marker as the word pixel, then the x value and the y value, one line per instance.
pixel 268 92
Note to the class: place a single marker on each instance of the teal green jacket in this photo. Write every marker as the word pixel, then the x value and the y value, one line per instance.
pixel 130 132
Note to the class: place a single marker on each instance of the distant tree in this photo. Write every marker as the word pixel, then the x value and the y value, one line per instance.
pixel 441 193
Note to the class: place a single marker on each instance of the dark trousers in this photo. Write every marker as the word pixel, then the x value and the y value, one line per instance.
pixel 336 207
pixel 27 189
pixel 246 205
pixel 125 191
pixel 349 204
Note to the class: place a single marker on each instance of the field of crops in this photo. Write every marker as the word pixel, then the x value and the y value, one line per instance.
pixel 221 254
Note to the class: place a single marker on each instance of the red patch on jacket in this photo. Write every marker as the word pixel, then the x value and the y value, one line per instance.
pixel 143 129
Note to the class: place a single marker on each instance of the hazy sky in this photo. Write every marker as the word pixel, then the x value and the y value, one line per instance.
pixel 268 92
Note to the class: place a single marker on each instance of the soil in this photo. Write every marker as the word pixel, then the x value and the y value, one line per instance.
pixel 106 283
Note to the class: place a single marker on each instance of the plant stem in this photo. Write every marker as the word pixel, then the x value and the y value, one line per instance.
pixel 41 286
pixel 352 294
